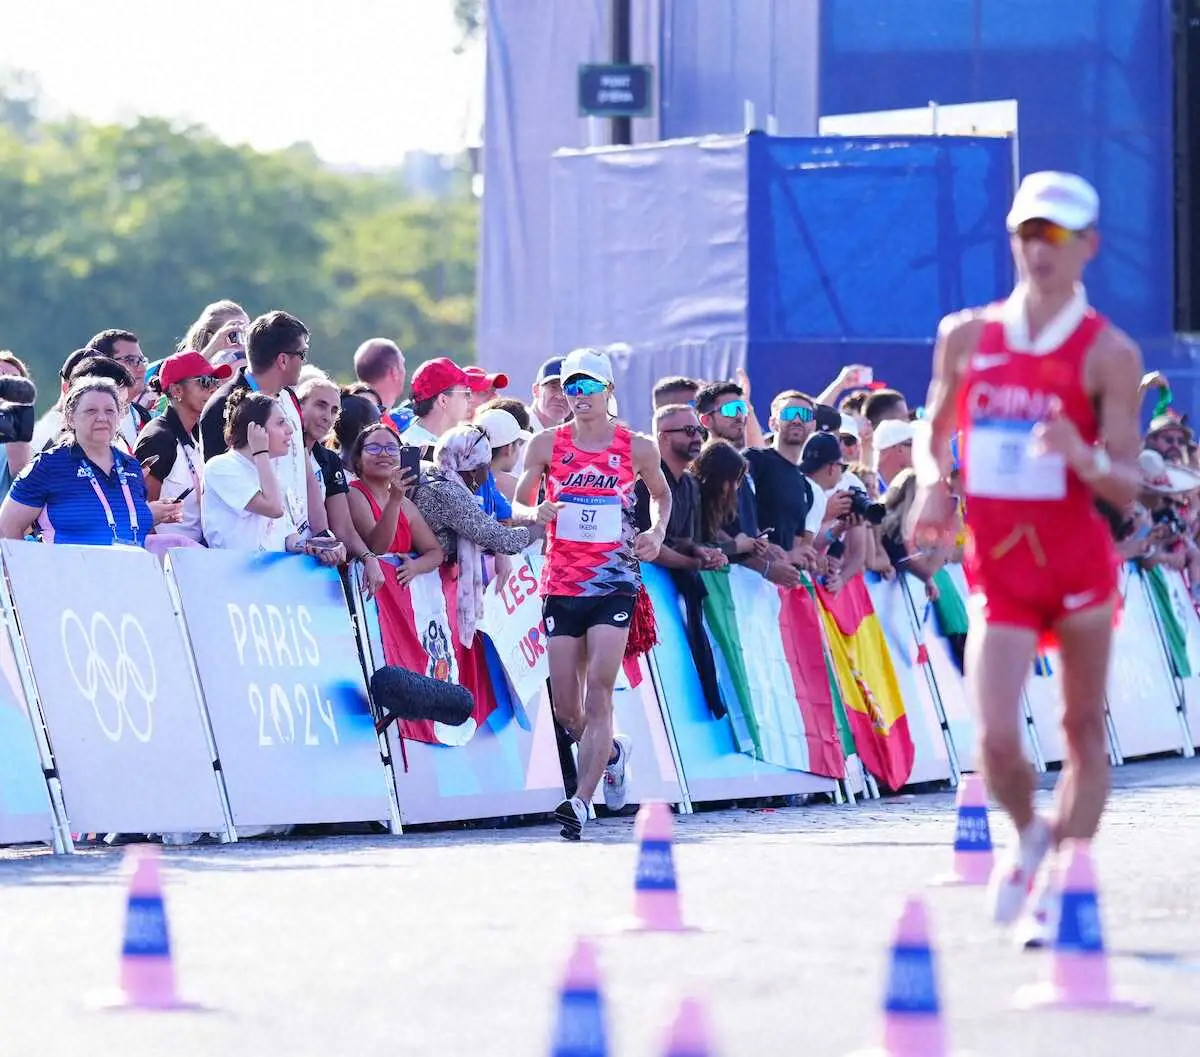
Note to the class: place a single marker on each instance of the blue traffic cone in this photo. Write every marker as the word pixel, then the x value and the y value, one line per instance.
pixel 579 1030
pixel 973 856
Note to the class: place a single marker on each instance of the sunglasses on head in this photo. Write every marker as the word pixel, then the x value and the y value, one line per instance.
pixel 584 387
pixel 791 414
pixel 734 409
pixel 1045 231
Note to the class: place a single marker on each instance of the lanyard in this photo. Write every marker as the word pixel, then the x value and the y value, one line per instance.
pixel 108 514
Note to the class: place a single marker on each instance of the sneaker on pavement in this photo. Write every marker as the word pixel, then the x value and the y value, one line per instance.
pixel 1014 874
pixel 572 813
pixel 616 792
pixel 1038 926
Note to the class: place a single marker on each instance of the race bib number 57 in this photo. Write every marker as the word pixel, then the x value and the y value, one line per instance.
pixel 1003 465
pixel 588 518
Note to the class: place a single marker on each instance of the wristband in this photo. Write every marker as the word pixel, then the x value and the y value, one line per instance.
pixel 263 452
pixel 1101 465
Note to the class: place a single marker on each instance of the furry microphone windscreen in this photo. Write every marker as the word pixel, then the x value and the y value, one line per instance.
pixel 407 695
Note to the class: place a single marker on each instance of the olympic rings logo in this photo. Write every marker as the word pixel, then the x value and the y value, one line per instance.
pixel 101 658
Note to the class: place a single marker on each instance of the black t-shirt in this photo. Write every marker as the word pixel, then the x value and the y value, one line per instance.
pixel 330 472
pixel 212 418
pixel 683 526
pixel 161 438
pixel 782 494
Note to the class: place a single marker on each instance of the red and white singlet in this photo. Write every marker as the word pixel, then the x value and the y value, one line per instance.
pixel 1038 549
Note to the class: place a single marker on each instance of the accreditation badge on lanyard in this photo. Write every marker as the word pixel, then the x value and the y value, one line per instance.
pixel 588 518
pixel 1002 463
pixel 119 470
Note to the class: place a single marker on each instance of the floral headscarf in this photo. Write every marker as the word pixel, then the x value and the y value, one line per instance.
pixel 461 450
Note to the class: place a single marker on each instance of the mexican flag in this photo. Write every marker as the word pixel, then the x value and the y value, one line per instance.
pixel 418 624
pixel 1174 633
pixel 771 642
pixel 867 681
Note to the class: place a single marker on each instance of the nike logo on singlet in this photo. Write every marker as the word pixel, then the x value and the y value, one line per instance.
pixel 983 361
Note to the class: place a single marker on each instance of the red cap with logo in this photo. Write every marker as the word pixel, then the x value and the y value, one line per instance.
pixel 436 376
pixel 185 365
pixel 480 381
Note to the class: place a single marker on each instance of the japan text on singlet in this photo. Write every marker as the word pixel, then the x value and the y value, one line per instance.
pixel 1004 395
pixel 589 545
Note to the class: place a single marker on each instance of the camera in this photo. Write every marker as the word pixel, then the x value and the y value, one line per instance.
pixel 1166 516
pixel 861 506
pixel 17 397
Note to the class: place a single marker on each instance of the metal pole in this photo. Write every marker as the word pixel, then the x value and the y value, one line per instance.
pixel 622 18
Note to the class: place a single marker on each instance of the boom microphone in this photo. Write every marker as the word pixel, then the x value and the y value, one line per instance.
pixel 402 694
pixel 17 390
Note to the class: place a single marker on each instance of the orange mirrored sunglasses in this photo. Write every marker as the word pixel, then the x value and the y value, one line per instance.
pixel 1045 231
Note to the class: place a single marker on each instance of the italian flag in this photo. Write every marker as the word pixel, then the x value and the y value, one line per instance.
pixel 771 641
pixel 419 628
pixel 867 681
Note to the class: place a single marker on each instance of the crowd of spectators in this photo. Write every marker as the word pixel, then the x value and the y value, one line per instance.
pixel 236 441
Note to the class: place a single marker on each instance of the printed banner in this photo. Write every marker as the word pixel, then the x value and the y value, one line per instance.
pixel 510 766
pixel 714 767
pixel 115 685
pixel 512 619
pixel 24 800
pixel 281 676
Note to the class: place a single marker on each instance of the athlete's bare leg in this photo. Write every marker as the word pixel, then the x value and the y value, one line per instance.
pixel 567 659
pixel 605 652
pixel 1084 640
pixel 998 661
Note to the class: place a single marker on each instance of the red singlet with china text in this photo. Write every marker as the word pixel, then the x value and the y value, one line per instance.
pixel 1037 549
pixel 589 545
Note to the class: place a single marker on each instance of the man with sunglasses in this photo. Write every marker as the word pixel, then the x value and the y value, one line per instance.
pixel 592 577
pixel 1045 391
pixel 441 400
pixel 169 447
pixel 783 495
pixel 276 348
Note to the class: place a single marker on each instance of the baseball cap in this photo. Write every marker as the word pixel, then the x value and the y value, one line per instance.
pixel 74 360
pixel 500 427
pixel 891 432
pixel 591 363
pixel 1061 197
pixel 190 365
pixel 436 376
pixel 820 450
pixel 480 381
pixel 849 427
pixel 550 371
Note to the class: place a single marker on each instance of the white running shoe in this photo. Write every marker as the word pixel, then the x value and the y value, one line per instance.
pixel 1038 927
pixel 616 792
pixel 1014 874
pixel 572 814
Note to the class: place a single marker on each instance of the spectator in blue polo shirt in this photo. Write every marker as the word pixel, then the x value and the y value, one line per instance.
pixel 90 491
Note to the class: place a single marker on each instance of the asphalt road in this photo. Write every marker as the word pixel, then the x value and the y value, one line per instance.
pixel 452 943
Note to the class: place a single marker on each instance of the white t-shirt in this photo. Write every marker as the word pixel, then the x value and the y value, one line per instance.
pixel 230 482
pixel 812 523
pixel 46 429
pixel 183 476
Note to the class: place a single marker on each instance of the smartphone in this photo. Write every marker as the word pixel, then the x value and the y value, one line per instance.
pixel 410 459
pixel 764 534
pixel 324 543
pixel 234 337
pixel 184 494
pixel 866 375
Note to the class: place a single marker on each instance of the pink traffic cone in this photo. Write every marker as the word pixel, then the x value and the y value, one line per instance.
pixel 1079 977
pixel 972 836
pixel 655 895
pixel 912 1014
pixel 688 1036
pixel 147 971
pixel 579 1029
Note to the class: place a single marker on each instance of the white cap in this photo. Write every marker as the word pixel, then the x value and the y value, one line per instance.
pixel 1061 197
pixel 849 426
pixel 500 426
pixel 891 432
pixel 592 363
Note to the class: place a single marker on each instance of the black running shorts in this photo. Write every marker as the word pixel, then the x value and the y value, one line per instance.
pixel 571 616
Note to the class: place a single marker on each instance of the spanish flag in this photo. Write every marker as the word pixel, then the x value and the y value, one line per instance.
pixel 867 682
